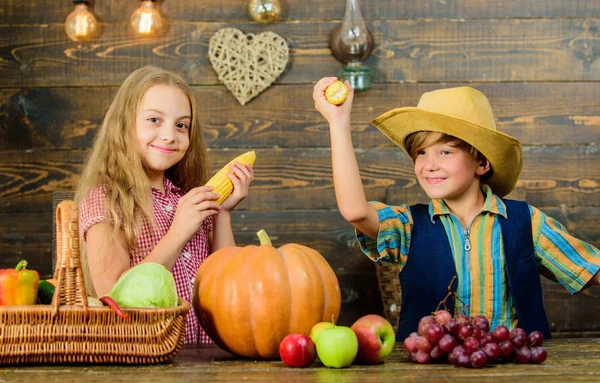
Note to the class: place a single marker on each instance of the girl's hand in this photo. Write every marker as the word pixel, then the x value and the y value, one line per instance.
pixel 332 113
pixel 192 209
pixel 241 176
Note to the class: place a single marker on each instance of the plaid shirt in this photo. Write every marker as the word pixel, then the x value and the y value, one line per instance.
pixel 483 285
pixel 93 210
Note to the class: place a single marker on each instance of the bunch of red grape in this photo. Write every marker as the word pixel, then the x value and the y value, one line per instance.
pixel 467 342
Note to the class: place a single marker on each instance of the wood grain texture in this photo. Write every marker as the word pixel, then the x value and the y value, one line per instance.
pixel 569 360
pixel 301 178
pixel 423 50
pixel 284 115
pixel 51 11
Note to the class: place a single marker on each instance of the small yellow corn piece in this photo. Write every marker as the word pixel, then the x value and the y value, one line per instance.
pixel 336 93
pixel 221 183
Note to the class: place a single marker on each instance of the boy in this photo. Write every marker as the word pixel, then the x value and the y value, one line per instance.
pixel 496 248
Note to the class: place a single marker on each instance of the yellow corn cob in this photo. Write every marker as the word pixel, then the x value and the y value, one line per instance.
pixel 336 93
pixel 221 183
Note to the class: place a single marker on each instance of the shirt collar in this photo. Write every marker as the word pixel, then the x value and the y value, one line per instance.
pixel 493 204
pixel 169 187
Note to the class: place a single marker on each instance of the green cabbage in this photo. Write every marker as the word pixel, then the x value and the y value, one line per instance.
pixel 146 285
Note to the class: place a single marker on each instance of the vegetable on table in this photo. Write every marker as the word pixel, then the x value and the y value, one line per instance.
pixel 45 292
pixel 113 305
pixel 18 286
pixel 148 285
pixel 249 298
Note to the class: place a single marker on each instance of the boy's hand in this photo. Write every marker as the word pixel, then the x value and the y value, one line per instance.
pixel 332 113
pixel 241 176
pixel 192 209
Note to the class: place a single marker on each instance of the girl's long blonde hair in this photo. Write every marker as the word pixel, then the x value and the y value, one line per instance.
pixel 114 161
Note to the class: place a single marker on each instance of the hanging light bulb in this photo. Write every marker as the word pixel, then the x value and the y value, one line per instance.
pixel 146 21
pixel 81 25
pixel 264 11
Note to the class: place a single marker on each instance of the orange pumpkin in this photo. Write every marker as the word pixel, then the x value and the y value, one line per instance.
pixel 248 299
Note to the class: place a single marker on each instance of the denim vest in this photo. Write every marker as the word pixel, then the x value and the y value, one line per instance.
pixel 430 267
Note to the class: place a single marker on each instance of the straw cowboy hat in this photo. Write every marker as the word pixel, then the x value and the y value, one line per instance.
pixel 464 113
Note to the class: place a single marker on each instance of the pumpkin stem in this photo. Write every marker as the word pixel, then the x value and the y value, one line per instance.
pixel 264 238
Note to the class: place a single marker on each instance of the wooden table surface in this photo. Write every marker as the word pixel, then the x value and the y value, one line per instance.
pixel 569 361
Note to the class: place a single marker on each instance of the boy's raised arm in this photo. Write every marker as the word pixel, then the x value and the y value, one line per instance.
pixel 349 192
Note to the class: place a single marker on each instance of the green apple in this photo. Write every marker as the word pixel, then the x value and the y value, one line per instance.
pixel 316 329
pixel 337 346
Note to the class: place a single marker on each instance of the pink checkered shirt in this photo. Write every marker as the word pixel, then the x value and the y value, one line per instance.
pixel 93 210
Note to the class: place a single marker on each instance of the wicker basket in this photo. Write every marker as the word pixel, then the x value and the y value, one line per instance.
pixel 70 331
pixel 389 287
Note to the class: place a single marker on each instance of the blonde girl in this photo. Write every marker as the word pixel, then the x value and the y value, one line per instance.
pixel 140 193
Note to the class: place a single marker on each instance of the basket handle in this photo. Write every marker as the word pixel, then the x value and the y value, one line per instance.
pixel 70 289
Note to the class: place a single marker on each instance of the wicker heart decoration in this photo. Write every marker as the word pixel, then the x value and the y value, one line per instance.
pixel 245 63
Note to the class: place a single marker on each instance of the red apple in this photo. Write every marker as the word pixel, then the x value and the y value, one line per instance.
pixel 376 338
pixel 297 350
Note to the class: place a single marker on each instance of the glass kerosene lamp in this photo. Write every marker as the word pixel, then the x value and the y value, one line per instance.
pixel 351 43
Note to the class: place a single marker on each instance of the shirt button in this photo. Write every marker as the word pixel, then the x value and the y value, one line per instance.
pixel 187 254
pixel 169 207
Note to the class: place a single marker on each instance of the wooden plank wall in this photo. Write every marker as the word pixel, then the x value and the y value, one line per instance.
pixel 537 60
